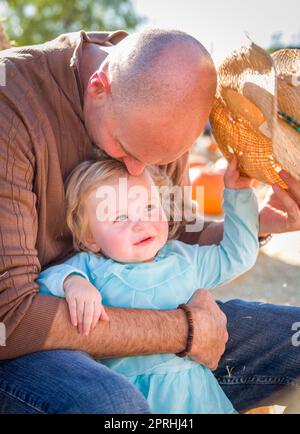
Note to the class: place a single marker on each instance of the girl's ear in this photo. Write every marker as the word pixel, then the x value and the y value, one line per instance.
pixel 91 245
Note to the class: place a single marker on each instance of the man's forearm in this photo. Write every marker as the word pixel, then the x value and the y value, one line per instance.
pixel 129 332
pixel 212 233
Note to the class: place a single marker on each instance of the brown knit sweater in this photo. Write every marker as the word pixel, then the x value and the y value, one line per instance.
pixel 42 138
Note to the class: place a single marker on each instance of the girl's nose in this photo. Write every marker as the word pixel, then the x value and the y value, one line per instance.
pixel 139 225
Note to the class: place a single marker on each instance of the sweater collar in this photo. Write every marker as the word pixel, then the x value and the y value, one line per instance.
pixel 99 38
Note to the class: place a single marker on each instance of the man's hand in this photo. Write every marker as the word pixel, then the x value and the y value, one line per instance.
pixel 281 212
pixel 84 301
pixel 210 329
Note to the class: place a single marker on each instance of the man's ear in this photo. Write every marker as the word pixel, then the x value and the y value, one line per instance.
pixel 98 84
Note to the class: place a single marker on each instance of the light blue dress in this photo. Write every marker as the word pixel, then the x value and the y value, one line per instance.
pixel 169 383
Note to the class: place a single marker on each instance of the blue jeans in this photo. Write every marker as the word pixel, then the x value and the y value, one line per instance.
pixel 260 366
pixel 63 381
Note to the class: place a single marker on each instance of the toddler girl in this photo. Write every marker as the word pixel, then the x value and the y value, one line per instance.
pixel 126 260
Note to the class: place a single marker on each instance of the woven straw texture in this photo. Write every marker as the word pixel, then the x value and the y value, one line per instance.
pixel 244 116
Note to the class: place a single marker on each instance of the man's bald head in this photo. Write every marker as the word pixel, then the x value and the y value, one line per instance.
pixel 159 91
pixel 159 67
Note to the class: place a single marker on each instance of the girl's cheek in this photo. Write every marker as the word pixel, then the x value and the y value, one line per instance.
pixel 162 228
pixel 119 237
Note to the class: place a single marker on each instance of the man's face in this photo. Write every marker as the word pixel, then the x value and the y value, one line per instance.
pixel 143 137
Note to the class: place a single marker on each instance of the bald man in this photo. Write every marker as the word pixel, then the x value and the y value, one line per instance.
pixel 143 99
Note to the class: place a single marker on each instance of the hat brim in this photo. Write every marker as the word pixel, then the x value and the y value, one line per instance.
pixel 244 117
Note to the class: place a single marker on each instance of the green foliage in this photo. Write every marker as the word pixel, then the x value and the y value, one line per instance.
pixel 36 21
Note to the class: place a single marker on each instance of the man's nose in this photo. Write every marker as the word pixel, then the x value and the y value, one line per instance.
pixel 134 167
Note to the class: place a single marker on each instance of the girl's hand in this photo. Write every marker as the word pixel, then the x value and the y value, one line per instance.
pixel 85 303
pixel 232 177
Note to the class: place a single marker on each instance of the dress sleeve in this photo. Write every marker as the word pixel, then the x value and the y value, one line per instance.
pixel 51 280
pixel 237 252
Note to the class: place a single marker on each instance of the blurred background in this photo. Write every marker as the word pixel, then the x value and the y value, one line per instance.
pixel 221 26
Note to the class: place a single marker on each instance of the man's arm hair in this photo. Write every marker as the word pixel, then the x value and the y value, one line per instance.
pixel 128 332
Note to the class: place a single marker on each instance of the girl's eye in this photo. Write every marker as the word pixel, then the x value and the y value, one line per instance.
pixel 121 218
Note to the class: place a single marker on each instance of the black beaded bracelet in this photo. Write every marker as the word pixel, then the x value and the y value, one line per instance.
pixel 190 336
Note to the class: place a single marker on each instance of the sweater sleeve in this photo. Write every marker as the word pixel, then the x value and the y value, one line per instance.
pixel 27 316
pixel 237 252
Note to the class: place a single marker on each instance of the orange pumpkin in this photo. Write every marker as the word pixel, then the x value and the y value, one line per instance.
pixel 213 147
pixel 213 184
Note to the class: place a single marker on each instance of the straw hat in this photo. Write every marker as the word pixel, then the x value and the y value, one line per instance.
pixel 256 112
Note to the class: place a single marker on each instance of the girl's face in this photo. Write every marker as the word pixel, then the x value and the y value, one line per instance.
pixel 126 220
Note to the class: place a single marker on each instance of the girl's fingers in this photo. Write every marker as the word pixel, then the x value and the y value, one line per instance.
pixel 80 310
pixel 233 163
pixel 231 171
pixel 88 314
pixel 104 315
pixel 245 182
pixel 73 311
pixel 97 314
